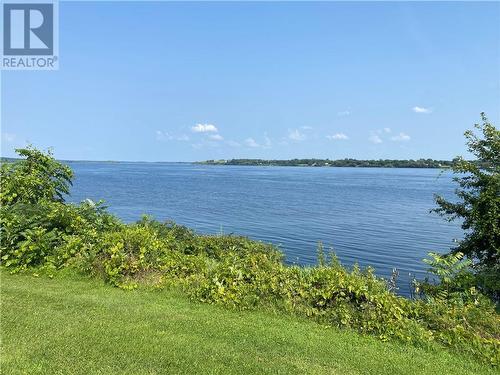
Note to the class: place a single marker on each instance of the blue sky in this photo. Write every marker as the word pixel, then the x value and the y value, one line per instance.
pixel 195 81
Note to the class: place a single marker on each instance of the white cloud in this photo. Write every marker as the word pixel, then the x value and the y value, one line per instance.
pixel 387 130
pixel 306 127
pixel 296 135
pixel 401 137
pixel 166 136
pixel 343 113
pixel 204 128
pixel 417 109
pixel 250 142
pixel 337 136
pixel 375 139
pixel 216 137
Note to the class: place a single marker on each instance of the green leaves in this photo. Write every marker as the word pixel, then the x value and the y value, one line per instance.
pixel 35 178
pixel 456 282
pixel 478 204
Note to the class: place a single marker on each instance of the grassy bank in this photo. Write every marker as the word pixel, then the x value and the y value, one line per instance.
pixel 72 325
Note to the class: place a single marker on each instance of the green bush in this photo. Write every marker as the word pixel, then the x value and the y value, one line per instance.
pixel 50 232
pixel 148 246
pixel 35 178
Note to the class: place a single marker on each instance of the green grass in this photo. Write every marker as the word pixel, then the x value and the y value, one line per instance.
pixel 72 325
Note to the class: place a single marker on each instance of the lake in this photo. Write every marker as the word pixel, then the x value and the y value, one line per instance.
pixel 373 216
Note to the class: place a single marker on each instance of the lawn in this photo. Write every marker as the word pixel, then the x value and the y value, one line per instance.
pixel 74 325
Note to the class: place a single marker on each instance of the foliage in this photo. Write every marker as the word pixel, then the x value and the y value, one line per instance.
pixel 174 251
pixel 488 279
pixel 37 227
pixel 50 232
pixel 455 279
pixel 478 202
pixel 35 178
pixel 240 273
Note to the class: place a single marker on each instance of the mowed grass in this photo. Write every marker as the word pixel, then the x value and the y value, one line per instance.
pixel 73 325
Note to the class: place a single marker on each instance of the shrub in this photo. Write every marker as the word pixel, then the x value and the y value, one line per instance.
pixel 50 232
pixel 455 283
pixel 37 177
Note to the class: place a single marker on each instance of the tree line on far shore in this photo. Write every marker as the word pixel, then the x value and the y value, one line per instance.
pixel 381 163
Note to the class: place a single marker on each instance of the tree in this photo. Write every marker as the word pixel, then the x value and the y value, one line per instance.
pixel 36 177
pixel 478 203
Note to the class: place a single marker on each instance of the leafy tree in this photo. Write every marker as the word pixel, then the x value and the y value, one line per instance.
pixel 36 177
pixel 478 203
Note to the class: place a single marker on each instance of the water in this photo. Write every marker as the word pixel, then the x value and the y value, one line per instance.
pixel 374 216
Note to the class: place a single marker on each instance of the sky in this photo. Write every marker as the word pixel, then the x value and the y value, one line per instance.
pixel 195 81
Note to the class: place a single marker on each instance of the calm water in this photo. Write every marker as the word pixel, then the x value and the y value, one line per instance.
pixel 377 217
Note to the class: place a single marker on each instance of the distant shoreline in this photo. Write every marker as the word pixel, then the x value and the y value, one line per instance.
pixel 353 163
pixel 324 163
